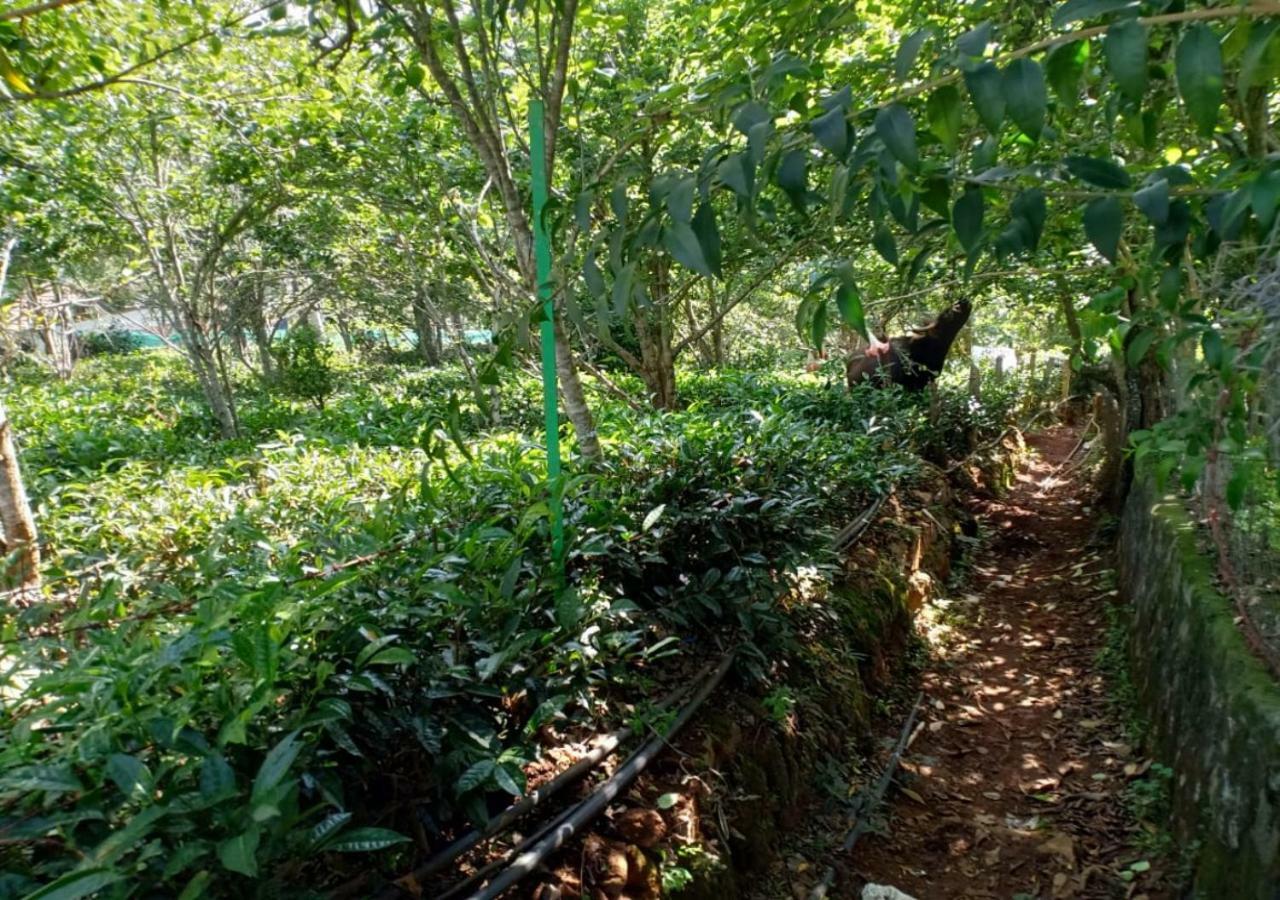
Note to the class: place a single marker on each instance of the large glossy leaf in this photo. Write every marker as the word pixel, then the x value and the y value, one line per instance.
pixel 1101 173
pixel 1104 224
pixel 680 198
pixel 1025 96
pixel 832 131
pixel 849 302
pixel 750 114
pixel 1064 69
pixel 1080 10
pixel 708 234
pixel 240 853
pixel 1260 63
pixel 130 775
pixel 966 218
pixel 973 43
pixel 897 129
pixel 1264 196
pixel 945 115
pixel 737 174
pixel 793 176
pixel 1125 47
pixel 1153 200
pixel 986 89
pixel 275 766
pixel 885 245
pixel 682 243
pixel 1031 207
pixel 908 50
pixel 1198 63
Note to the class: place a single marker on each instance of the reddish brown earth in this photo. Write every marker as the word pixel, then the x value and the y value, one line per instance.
pixel 1016 780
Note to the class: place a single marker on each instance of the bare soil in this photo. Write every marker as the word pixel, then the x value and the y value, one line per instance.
pixel 1016 782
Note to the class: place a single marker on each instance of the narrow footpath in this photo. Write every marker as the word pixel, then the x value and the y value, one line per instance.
pixel 1020 781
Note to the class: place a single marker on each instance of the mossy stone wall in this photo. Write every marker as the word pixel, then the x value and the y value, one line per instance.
pixel 1214 709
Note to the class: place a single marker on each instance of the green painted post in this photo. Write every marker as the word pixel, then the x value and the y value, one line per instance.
pixel 542 256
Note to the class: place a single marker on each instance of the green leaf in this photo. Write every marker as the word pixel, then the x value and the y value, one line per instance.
pixel 130 775
pixel 327 828
pixel 216 777
pixel 832 132
pixel 680 199
pixel 1264 196
pixel 966 218
pixel 509 779
pixel 885 245
pixel 682 243
pixel 478 774
pixel 974 41
pixel 908 50
pixel 1153 200
pixel 1064 69
pixel 1031 207
pixel 917 264
pixel 708 234
pixel 1080 10
pixel 1169 288
pixel 793 176
pixel 849 303
pixel 1026 96
pixel 275 766
pixel 1103 225
pixel 53 779
pixel 1198 63
pixel 894 125
pixel 393 656
pixel 750 114
pixel 651 518
pixel 944 114
pixel 77 884
pixel 198 885
pixel 1139 345
pixel 367 840
pixel 818 326
pixel 1101 173
pixel 666 801
pixel 240 853
pixel 1258 64
pixel 1125 48
pixel 986 90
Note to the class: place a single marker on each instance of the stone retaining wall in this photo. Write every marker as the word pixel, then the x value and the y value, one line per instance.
pixel 1213 708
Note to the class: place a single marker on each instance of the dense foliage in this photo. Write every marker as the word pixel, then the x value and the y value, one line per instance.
pixel 296 601
pixel 239 631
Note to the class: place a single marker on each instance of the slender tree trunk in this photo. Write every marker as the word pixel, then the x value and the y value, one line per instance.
pixel 344 330
pixel 261 336
pixel 575 400
pixel 653 328
pixel 425 328
pixel 18 526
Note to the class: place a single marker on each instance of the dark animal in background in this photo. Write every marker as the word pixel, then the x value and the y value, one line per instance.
pixel 911 360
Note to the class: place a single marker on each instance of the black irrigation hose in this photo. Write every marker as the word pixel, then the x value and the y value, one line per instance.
pixel 851 532
pixel 866 804
pixel 604 747
pixel 534 851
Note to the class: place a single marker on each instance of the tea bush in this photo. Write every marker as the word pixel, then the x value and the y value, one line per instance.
pixel 342 634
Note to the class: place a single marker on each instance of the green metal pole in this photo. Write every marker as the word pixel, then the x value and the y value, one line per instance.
pixel 542 256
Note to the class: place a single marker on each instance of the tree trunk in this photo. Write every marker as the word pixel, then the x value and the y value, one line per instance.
pixel 344 330
pixel 653 328
pixel 425 328
pixel 575 401
pixel 17 525
pixel 261 336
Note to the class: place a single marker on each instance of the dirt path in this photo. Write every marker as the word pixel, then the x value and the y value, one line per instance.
pixel 1015 783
